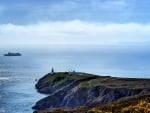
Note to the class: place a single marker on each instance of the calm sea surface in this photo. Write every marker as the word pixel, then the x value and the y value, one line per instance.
pixel 18 74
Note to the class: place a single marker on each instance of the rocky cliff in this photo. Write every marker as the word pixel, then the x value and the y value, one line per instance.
pixel 82 89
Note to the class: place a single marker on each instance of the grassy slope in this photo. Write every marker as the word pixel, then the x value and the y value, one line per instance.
pixel 113 82
pixel 61 77
pixel 107 81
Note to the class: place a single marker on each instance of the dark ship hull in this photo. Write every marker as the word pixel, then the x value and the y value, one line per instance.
pixel 12 54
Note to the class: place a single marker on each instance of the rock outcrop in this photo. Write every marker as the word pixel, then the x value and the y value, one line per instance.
pixel 83 89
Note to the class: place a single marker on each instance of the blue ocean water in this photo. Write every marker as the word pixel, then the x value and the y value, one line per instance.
pixel 18 74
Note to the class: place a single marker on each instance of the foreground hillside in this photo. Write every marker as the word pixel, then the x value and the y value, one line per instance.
pixel 134 104
pixel 67 90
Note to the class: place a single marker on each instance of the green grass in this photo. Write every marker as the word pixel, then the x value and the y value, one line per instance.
pixel 114 82
pixel 61 77
pixel 89 84
pixel 96 82
pixel 107 81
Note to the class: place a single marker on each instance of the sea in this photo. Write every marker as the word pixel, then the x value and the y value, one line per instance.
pixel 19 74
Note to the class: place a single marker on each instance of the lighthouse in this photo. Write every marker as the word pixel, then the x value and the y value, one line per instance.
pixel 52 72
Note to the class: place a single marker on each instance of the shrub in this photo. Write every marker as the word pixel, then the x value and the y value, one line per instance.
pixel 58 110
pixel 142 107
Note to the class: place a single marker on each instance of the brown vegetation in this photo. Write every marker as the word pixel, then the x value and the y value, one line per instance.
pixel 136 104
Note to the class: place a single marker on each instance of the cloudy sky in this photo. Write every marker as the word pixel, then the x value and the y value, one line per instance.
pixel 75 22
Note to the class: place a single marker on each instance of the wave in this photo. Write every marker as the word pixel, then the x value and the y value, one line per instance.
pixel 8 79
pixel 4 78
pixel 11 79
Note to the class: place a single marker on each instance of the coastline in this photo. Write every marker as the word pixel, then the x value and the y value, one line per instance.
pixel 73 90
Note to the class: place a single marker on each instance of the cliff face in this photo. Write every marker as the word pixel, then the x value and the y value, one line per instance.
pixel 67 90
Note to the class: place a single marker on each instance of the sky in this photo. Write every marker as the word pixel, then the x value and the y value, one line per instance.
pixel 74 22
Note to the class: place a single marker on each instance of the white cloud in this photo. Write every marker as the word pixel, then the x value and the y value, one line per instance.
pixel 74 32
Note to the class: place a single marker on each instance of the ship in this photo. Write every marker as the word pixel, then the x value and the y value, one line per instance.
pixel 12 54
